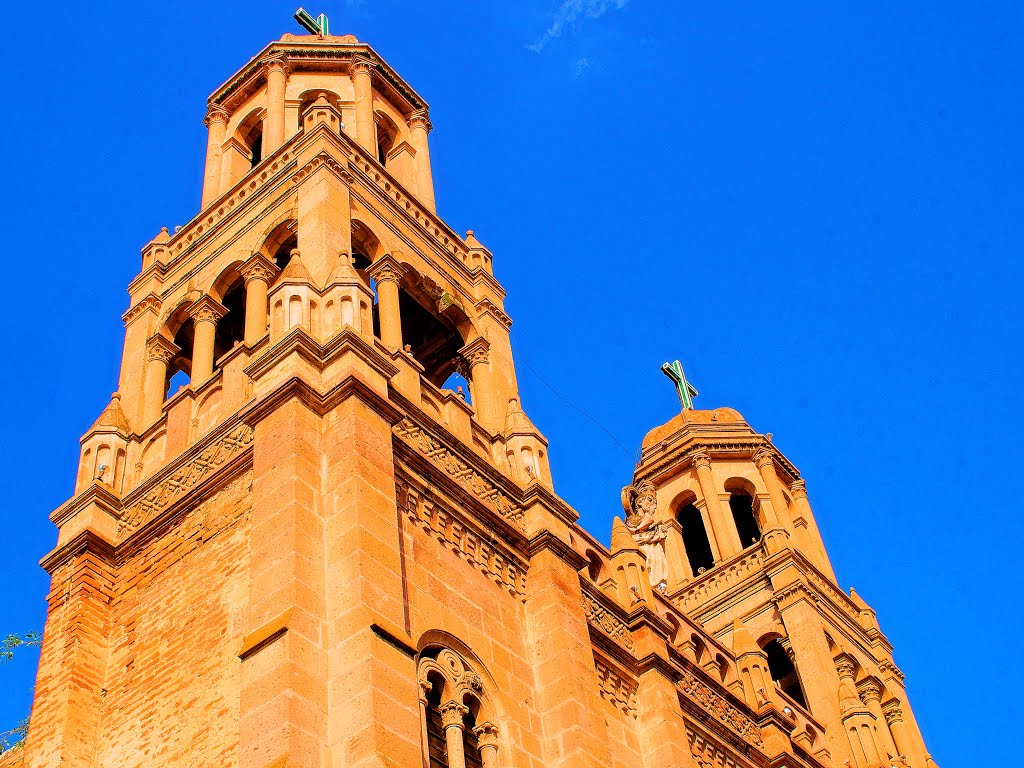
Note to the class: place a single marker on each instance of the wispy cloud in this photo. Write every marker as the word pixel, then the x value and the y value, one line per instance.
pixel 571 12
pixel 581 66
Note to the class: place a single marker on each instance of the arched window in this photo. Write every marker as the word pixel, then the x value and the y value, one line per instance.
pixel 783 671
pixel 254 140
pixel 231 327
pixel 457 715
pixel 387 137
pixel 179 369
pixel 695 539
pixel 742 506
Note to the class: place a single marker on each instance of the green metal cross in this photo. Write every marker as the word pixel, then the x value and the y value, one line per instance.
pixel 684 389
pixel 317 26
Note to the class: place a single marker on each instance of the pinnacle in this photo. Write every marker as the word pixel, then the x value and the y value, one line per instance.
pixel 295 270
pixel 621 538
pixel 112 417
pixel 516 420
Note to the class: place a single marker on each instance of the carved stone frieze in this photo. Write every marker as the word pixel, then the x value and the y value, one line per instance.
pixel 323 160
pixel 184 479
pixel 716 704
pixel 616 688
pixel 488 307
pixel 607 622
pixel 789 595
pixel 707 754
pixel 467 477
pixel 149 303
pixel 499 565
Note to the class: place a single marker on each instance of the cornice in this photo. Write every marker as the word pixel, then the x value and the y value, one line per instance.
pixel 546 541
pixel 537 493
pixel 304 55
pixel 320 355
pixel 86 541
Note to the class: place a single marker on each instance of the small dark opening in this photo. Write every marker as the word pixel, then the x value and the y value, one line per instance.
pixel 231 327
pixel 742 507
pixel 284 251
pixel 470 745
pixel 436 745
pixel 179 370
pixel 434 344
pixel 255 141
pixel 784 672
pixel 695 539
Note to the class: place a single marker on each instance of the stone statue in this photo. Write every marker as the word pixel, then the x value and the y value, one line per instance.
pixel 640 504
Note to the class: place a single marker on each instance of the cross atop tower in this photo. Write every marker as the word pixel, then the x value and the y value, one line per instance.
pixel 317 26
pixel 684 388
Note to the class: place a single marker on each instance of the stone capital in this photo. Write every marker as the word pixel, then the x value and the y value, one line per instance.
pixel 845 665
pixel 425 688
pixel 764 457
pixel 275 61
pixel 361 66
pixel 870 691
pixel 216 114
pixel 159 347
pixel 799 489
pixel 206 310
pixel 420 119
pixel 452 714
pixel 486 735
pixel 258 267
pixel 476 352
pixel 387 269
pixel 893 712
pixel 701 459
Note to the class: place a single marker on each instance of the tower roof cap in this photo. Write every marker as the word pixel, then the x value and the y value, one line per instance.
pixel 622 539
pixel 295 271
pixel 112 417
pixel 517 422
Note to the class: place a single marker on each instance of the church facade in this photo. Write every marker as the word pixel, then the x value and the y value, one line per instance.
pixel 290 544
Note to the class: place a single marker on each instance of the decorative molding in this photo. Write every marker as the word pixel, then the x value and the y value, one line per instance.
pixel 149 303
pixel 488 307
pixel 275 60
pixel 258 267
pixel 159 347
pixel 387 269
pixel 476 352
pixel 798 489
pixel 486 735
pixel 616 688
pixel 893 712
pixel 499 565
pixel 706 754
pixel 361 66
pixel 700 458
pixel 323 160
pixel 717 705
pixel 790 594
pixel 763 457
pixel 608 623
pixel 888 667
pixel 870 690
pixel 467 477
pixel 180 482
pixel 420 119
pixel 720 579
pixel 206 309
pixel 216 114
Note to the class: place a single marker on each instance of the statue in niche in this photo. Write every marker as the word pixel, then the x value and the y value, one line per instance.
pixel 640 503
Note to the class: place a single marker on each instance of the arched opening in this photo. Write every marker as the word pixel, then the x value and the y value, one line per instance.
pixel 458 383
pixel 437 748
pixel 595 567
pixel 783 671
pixel 254 141
pixel 283 251
pixel 387 137
pixel 470 742
pixel 433 338
pixel 742 505
pixel 179 369
pixel 695 539
pixel 231 327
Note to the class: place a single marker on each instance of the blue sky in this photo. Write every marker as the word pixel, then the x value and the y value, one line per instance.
pixel 816 206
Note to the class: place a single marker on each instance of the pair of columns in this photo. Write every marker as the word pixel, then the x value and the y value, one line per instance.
pixel 453 716
pixel 257 272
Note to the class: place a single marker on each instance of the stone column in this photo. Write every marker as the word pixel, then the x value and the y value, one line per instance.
pixel 725 540
pixel 387 273
pixel 815 546
pixel 217 123
pixel 276 69
pixel 452 714
pixel 487 738
pixel 159 353
pixel 477 357
pixel 419 127
pixel 205 312
pixel 257 272
pixel 366 136
pixel 425 688
pixel 680 570
pixel 778 514
pixel 870 691
pixel 894 722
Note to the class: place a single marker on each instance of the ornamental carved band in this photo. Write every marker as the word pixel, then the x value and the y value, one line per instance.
pixel 184 479
pixel 488 307
pixel 603 619
pixel 713 702
pixel 149 304
pixel 324 160
pixel 467 477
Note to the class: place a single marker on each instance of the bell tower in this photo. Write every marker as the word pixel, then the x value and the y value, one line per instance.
pixel 743 557
pixel 296 542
